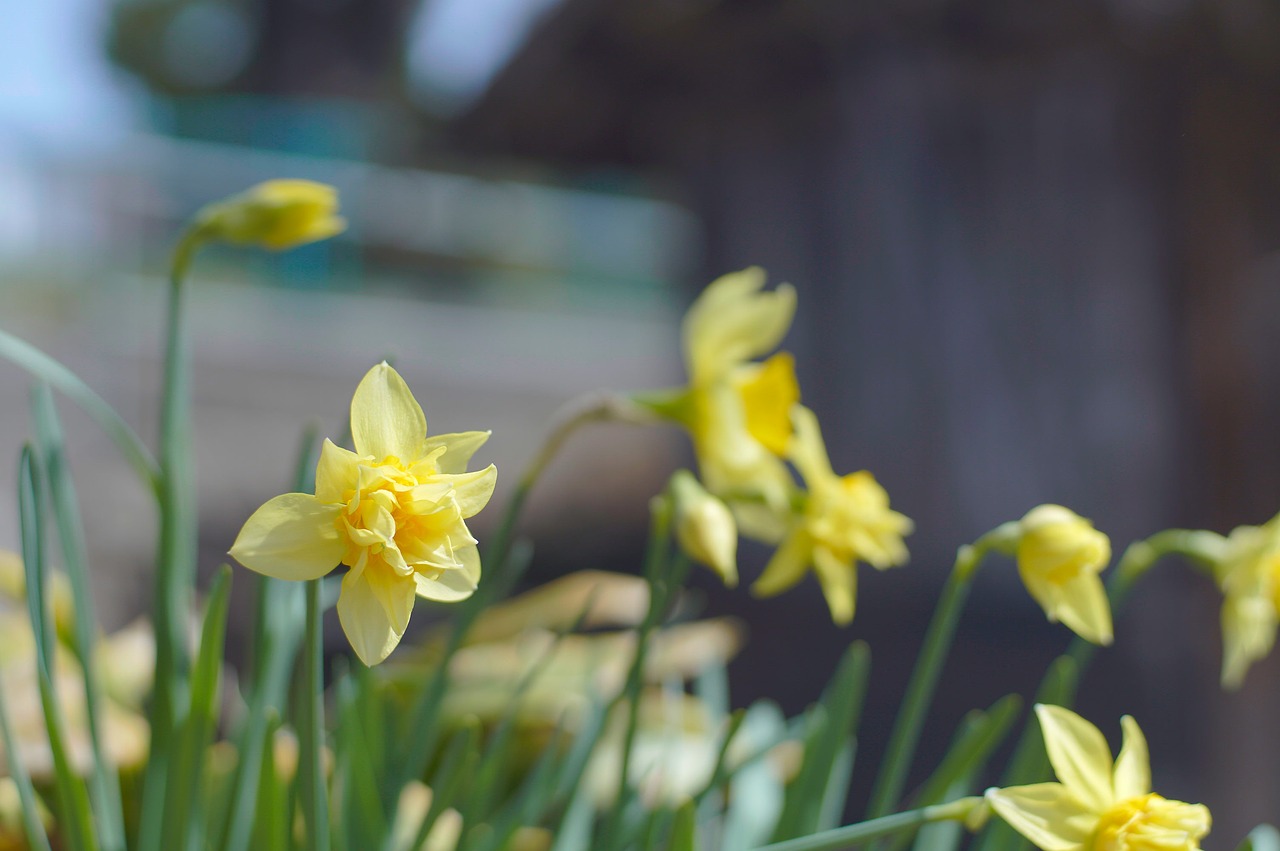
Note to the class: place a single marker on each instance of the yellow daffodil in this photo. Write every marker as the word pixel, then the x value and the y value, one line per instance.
pixel 393 511
pixel 1248 573
pixel 845 519
pixel 737 411
pixel 277 214
pixel 1059 556
pixel 705 528
pixel 1097 805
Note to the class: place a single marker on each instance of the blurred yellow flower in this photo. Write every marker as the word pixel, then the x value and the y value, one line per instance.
pixel 277 214
pixel 737 411
pixel 704 527
pixel 1248 573
pixel 1059 557
pixel 1097 806
pixel 845 519
pixel 393 511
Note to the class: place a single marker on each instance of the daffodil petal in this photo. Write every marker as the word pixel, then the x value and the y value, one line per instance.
pixel 365 621
pixel 839 581
pixel 1248 633
pixel 337 472
pixel 1079 755
pixel 458 449
pixel 395 593
pixel 449 587
pixel 293 536
pixel 787 567
pixel 808 452
pixel 472 490
pixel 385 418
pixel 470 558
pixel 1082 605
pixel 1047 814
pixel 1132 775
pixel 732 321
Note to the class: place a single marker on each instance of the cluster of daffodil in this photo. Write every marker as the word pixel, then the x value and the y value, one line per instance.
pixel 589 714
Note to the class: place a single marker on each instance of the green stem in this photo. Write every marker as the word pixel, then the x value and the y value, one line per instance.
pixel 876 828
pixel 311 767
pixel 924 678
pixel 176 557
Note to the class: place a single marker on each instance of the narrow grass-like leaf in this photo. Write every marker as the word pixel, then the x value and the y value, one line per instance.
pixel 684 829
pixel 1030 762
pixel 273 822
pixel 32 824
pixel 46 368
pixel 456 765
pixel 979 734
pixel 894 767
pixel 73 798
pixel 834 797
pixel 105 786
pixel 363 821
pixel 757 792
pixel 831 727
pixel 182 810
pixel 419 734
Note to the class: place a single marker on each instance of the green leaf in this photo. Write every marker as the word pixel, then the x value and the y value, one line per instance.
pixel 104 782
pixel 182 823
pixel 31 822
pixel 829 730
pixel 73 798
pixel 684 830
pixel 1264 837
pixel 46 368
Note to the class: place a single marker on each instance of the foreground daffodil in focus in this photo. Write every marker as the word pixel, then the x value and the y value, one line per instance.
pixel 394 512
pixel 1059 556
pixel 1097 805
pixel 846 519
pixel 1248 573
pixel 277 215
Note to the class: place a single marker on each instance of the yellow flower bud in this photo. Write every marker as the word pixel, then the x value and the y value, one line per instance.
pixel 705 527
pixel 1059 557
pixel 277 214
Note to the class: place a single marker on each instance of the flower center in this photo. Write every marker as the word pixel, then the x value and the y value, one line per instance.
pixel 1151 823
pixel 398 517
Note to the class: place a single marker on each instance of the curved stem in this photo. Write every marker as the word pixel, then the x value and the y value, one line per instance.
pixel 924 678
pixel 876 828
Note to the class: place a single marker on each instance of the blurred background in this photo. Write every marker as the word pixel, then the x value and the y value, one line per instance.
pixel 1035 247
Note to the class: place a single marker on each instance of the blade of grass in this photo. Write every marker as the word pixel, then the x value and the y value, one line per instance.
pixel 46 368
pixel 1029 763
pixel 32 824
pixel 104 782
pixel 833 725
pixel 684 830
pixel 182 811
pixel 456 765
pixel 73 798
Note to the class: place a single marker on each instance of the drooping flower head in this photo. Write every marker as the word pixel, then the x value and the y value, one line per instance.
pixel 1248 573
pixel 704 527
pixel 737 410
pixel 846 519
pixel 1059 556
pixel 277 214
pixel 394 511
pixel 1097 805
